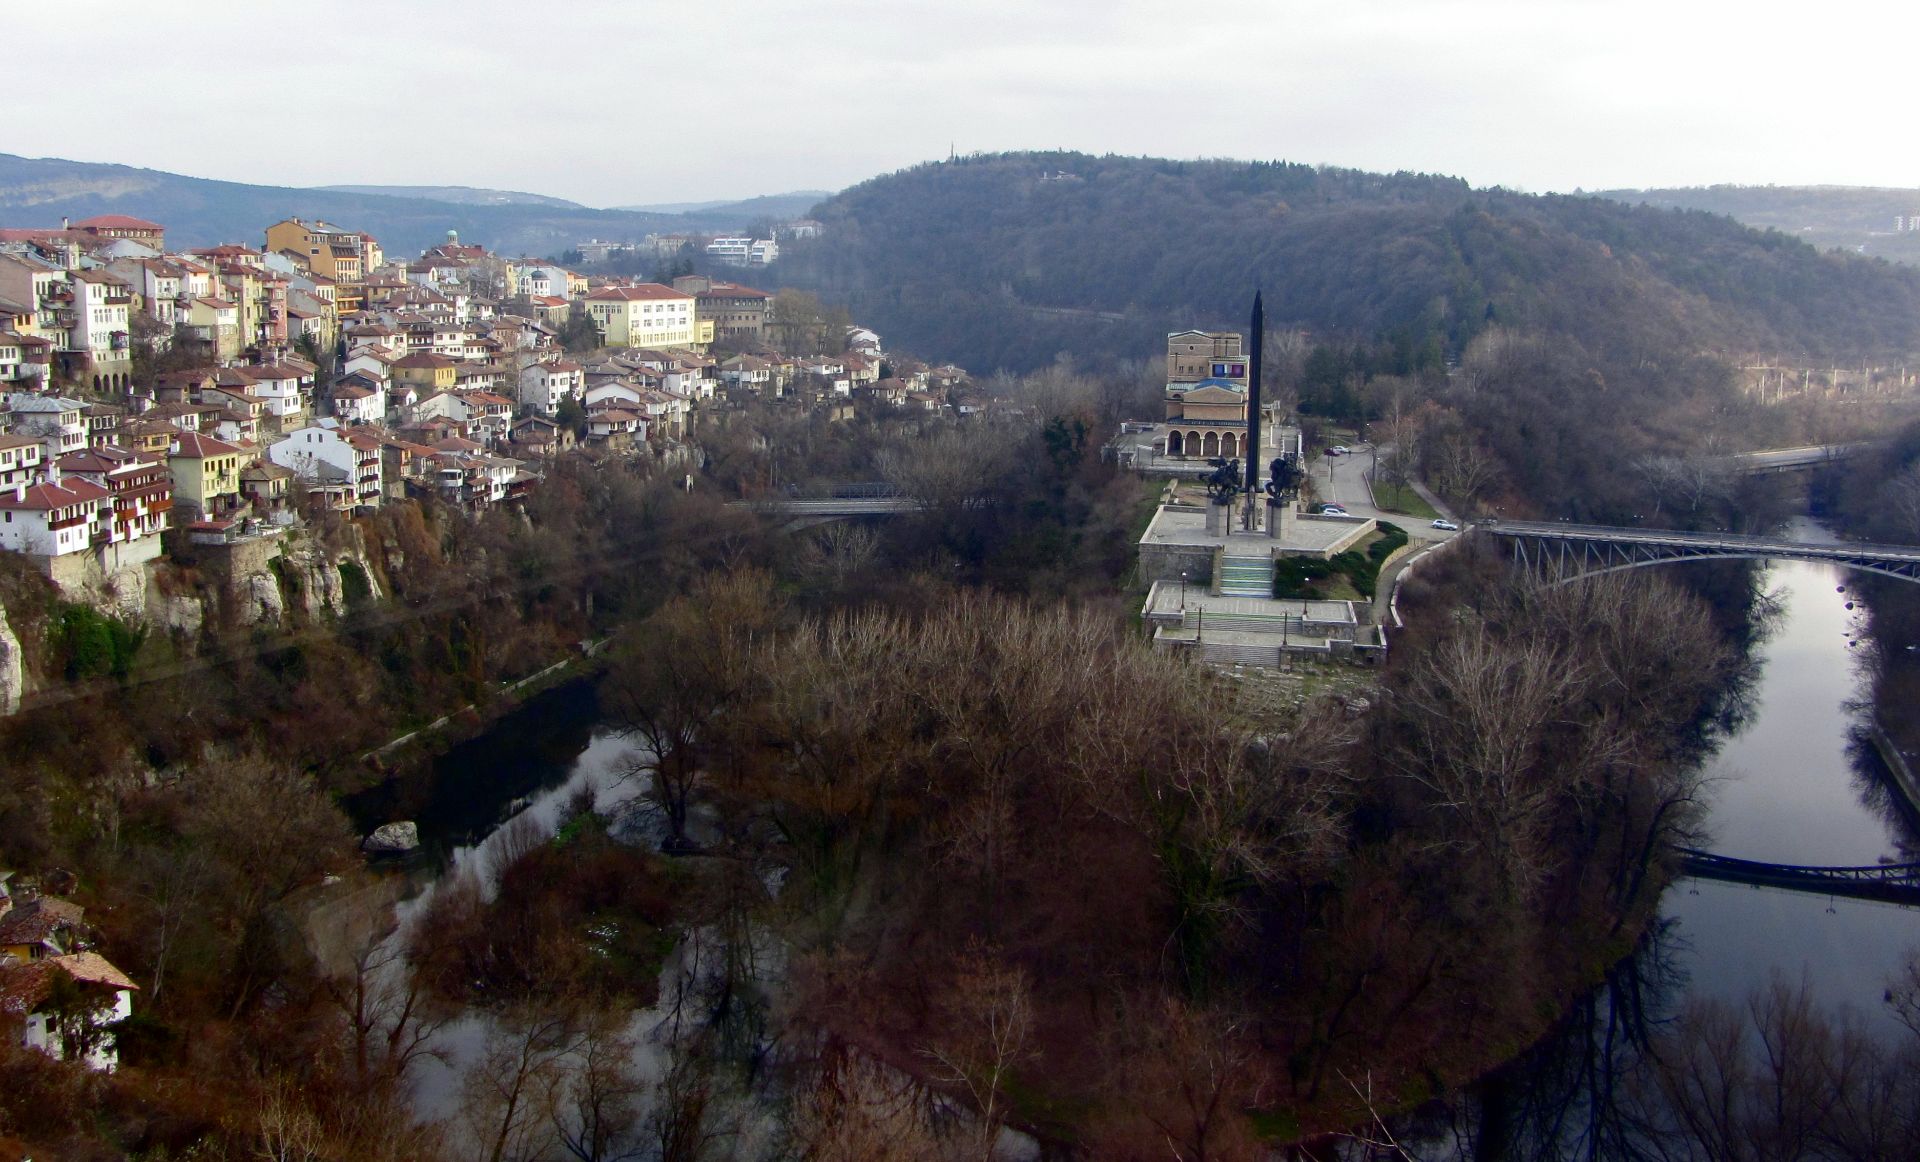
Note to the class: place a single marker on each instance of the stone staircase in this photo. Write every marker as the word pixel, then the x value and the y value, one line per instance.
pixel 1246 577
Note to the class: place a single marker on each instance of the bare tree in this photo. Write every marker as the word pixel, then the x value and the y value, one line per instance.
pixel 1463 469
pixel 597 1117
pixel 384 1002
pixel 859 1110
pixel 950 470
pixel 678 673
pixel 989 1020
pixel 1901 496
pixel 1474 714
pixel 507 1099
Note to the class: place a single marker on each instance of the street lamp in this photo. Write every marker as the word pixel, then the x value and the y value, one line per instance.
pixel 1183 593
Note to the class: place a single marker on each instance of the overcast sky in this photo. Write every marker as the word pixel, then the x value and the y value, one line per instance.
pixel 624 101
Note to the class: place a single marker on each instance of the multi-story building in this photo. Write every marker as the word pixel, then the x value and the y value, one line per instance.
pixel 57 422
pixel 206 475
pixel 647 315
pixel 140 493
pixel 345 256
pixel 1198 356
pixel 322 455
pixel 544 385
pixel 149 234
pixel 738 313
pixel 22 461
pixel 742 251
pixel 102 329
pixel 51 520
pixel 428 371
pixel 215 323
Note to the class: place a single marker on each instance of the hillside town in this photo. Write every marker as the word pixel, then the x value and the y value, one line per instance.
pixel 219 393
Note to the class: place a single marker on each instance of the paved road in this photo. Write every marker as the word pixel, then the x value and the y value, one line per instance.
pixel 1342 480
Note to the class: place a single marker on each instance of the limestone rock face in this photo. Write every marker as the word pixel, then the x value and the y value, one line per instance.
pixel 260 599
pixel 12 671
pixel 392 839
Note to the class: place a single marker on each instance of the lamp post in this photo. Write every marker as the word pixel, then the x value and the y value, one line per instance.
pixel 1183 594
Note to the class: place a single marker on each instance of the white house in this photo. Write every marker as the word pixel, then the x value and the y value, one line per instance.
pixel 51 520
pixel 544 385
pixel 323 455
pixel 58 422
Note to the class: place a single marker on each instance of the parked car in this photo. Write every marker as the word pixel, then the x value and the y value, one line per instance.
pixel 1341 450
pixel 1332 450
pixel 1444 523
pixel 1331 510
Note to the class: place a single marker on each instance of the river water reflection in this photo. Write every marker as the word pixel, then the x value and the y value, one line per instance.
pixel 1794 786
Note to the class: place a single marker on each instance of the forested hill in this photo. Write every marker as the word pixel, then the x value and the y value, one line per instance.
pixel 1002 261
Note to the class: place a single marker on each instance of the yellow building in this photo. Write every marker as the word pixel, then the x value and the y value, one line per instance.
pixel 345 256
pixel 206 474
pixel 427 371
pixel 1207 421
pixel 648 315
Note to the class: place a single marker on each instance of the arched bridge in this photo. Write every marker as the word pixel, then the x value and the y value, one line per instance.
pixel 1893 882
pixel 1569 551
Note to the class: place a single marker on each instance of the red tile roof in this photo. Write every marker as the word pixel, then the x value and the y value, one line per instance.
pixel 116 222
pixel 45 497
pixel 194 446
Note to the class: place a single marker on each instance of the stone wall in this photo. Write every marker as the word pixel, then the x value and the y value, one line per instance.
pixel 1164 563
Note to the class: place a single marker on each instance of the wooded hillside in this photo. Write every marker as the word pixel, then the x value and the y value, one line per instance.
pixel 1005 260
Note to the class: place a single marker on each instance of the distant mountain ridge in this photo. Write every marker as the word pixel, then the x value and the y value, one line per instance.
pixel 1858 218
pixel 461 195
pixel 206 212
pixel 793 204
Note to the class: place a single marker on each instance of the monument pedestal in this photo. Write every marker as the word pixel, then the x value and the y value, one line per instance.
pixel 1280 520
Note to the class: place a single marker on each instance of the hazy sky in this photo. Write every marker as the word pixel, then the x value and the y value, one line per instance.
pixel 620 101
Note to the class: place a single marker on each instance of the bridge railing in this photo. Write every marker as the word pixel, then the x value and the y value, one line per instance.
pixel 1564 530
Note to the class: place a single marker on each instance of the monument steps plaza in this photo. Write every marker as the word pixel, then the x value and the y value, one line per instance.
pixel 1210 561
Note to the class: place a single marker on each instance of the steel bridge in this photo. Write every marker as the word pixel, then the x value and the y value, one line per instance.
pixel 1897 883
pixel 1566 552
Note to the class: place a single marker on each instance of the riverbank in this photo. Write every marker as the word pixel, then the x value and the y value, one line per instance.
pixel 457 781
pixel 510 695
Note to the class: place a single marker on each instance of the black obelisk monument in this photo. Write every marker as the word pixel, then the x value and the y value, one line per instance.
pixel 1252 452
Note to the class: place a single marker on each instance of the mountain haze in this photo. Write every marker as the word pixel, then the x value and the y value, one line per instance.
pixel 205 212
pixel 794 204
pixel 460 195
pixel 1858 218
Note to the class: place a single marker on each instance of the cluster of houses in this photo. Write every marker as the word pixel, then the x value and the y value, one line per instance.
pixel 444 375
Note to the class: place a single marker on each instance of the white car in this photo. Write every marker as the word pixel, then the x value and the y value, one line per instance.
pixel 1341 450
pixel 1447 525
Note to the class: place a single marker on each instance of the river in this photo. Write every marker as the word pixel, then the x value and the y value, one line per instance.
pixel 1791 784
pixel 1794 786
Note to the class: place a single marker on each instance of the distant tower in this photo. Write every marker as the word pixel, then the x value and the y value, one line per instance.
pixel 453 238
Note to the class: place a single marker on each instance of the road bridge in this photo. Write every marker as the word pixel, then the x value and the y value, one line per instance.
pixel 1798 459
pixel 801 514
pixel 1897 883
pixel 1567 552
